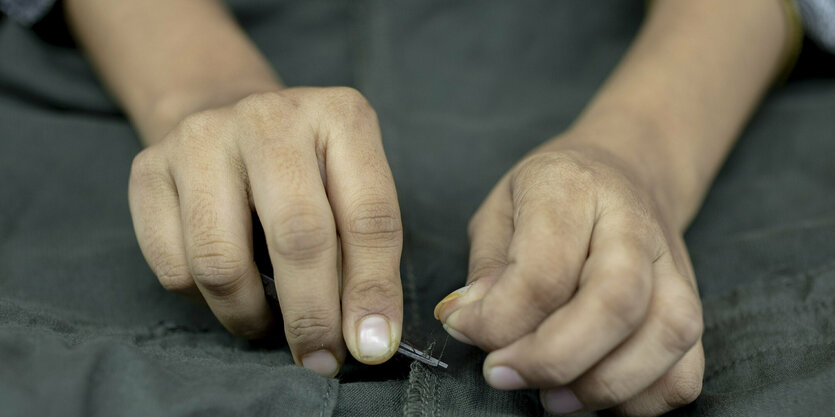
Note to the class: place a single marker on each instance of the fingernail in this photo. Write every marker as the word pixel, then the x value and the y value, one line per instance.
pixel 457 335
pixel 505 378
pixel 322 362
pixel 453 295
pixel 560 401
pixel 374 338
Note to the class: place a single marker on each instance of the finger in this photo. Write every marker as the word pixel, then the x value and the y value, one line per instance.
pixel 155 210
pixel 672 328
pixel 680 386
pixel 290 199
pixel 546 252
pixel 367 214
pixel 490 231
pixel 611 302
pixel 217 233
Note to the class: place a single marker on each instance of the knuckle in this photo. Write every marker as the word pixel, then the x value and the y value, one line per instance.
pixel 143 163
pixel 265 113
pixel 485 267
pixel 174 278
pixel 557 371
pixel 625 299
pixel 197 126
pixel 604 392
pixel 219 266
pixel 374 224
pixel 265 103
pixel 302 234
pixel 169 267
pixel 349 104
pixel 312 325
pixel 682 324
pixel 488 330
pixel 545 290
pixel 147 170
pixel 553 370
pixel 195 135
pixel 683 389
pixel 547 168
pixel 373 293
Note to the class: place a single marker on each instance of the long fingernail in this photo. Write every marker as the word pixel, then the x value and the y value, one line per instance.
pixel 505 378
pixel 374 337
pixel 560 401
pixel 322 362
pixel 453 295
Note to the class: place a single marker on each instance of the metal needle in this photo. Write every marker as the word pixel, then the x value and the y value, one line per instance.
pixel 404 348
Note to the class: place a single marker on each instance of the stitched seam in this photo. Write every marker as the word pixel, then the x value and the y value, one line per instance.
pixel 327 399
pixel 436 403
pixel 416 400
pixel 421 396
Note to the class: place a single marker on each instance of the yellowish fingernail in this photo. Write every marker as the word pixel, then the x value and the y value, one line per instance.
pixel 452 296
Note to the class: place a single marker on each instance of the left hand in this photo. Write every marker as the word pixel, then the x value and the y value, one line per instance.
pixel 580 284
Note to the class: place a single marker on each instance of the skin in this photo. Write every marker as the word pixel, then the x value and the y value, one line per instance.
pixel 226 138
pixel 579 279
pixel 579 282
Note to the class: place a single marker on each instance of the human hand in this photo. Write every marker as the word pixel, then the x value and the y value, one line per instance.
pixel 580 284
pixel 310 162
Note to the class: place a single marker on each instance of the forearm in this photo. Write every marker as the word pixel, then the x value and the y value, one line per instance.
pixel 681 95
pixel 163 60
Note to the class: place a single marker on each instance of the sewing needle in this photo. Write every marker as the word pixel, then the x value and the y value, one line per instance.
pixel 404 348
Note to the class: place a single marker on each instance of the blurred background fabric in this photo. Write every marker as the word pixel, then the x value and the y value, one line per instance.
pixel 462 90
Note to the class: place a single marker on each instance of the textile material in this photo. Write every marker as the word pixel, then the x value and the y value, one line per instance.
pixel 819 21
pixel 26 12
pixel 818 16
pixel 462 90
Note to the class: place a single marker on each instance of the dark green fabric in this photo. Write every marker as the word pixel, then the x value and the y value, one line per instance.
pixel 462 90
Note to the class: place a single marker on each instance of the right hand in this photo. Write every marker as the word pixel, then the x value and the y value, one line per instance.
pixel 310 162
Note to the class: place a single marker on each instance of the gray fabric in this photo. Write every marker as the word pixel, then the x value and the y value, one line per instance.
pixel 462 90
pixel 26 12
pixel 819 21
pixel 818 16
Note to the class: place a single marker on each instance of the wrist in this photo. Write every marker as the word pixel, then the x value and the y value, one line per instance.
pixel 163 113
pixel 641 144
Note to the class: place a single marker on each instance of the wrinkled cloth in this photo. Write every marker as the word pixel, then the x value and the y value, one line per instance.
pixel 462 91
pixel 818 16
pixel 26 12
pixel 819 21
